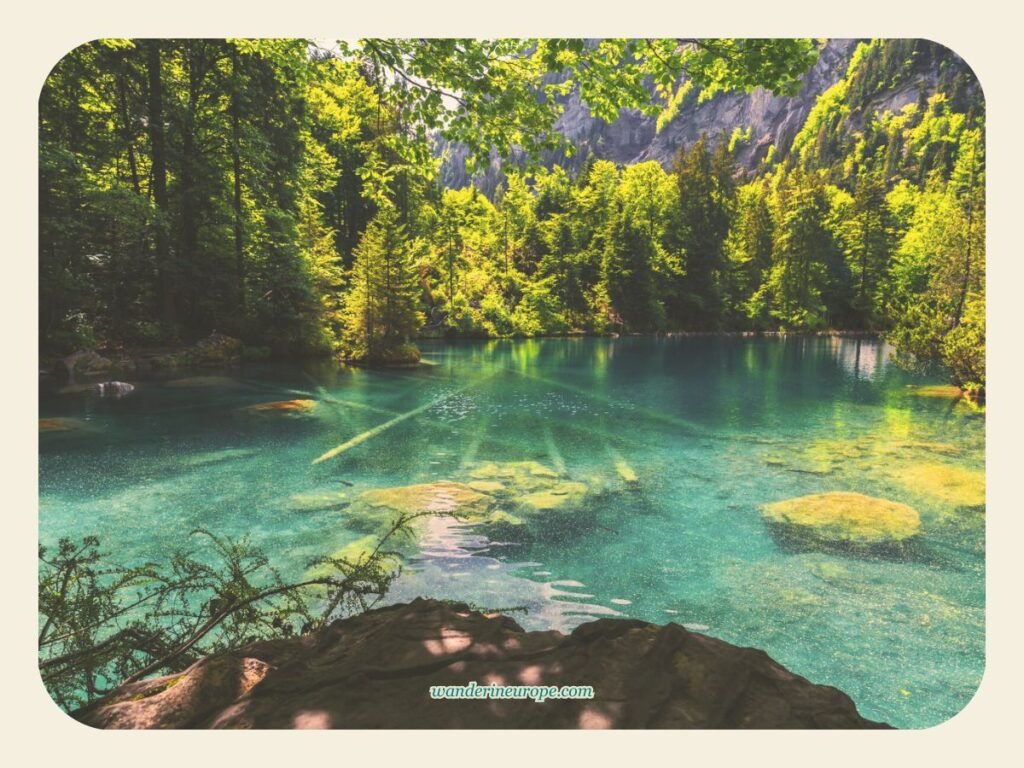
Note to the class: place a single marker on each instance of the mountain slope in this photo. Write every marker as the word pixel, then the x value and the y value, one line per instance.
pixel 887 76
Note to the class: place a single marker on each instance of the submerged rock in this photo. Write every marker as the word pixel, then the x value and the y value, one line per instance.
pixel 529 487
pixel 486 486
pixel 358 552
pixel 376 670
pixel 516 472
pixel 943 483
pixel 557 496
pixel 843 518
pixel 378 508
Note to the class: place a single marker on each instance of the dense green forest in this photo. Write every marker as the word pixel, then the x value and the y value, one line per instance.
pixel 288 195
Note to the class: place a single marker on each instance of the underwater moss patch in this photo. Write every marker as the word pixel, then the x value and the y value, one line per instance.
pixel 844 518
pixel 486 486
pixel 626 473
pixel 944 483
pixel 380 507
pixel 359 552
pixel 558 496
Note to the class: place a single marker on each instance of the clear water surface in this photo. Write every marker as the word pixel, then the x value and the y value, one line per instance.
pixel 713 428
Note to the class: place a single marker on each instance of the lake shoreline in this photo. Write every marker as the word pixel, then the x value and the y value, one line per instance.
pixel 128 359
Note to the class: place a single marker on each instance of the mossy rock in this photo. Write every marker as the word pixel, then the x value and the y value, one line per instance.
pixel 517 471
pixel 559 496
pixel 499 520
pixel 357 552
pixel 847 519
pixel 290 407
pixel 513 479
pixel 487 486
pixel 380 507
pixel 531 488
pixel 498 517
pixel 943 483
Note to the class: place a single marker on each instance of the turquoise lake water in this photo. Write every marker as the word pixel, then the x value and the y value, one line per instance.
pixel 713 429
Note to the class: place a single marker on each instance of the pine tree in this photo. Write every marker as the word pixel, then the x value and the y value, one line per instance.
pixel 748 252
pixel 628 279
pixel 701 226
pixel 798 276
pixel 382 307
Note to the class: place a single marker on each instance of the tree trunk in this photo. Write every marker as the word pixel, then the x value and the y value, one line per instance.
pixel 158 149
pixel 187 184
pixel 236 165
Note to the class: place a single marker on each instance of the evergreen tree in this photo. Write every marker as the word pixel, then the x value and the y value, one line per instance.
pixel 865 232
pixel 748 253
pixel 701 225
pixel 792 292
pixel 628 278
pixel 381 310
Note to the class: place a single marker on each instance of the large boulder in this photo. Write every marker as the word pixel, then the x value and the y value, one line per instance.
pixel 941 483
pixel 377 670
pixel 845 519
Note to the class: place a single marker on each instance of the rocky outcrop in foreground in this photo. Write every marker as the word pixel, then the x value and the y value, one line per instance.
pixel 376 671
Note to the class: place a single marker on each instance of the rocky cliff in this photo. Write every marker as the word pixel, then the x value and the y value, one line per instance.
pixel 771 120
pixel 376 671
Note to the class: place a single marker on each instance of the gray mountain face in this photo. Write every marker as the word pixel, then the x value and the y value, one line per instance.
pixel 771 120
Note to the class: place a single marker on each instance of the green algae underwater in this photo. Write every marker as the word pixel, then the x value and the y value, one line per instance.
pixel 606 477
